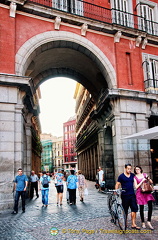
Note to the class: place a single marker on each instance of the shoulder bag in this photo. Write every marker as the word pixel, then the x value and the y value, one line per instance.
pixel 146 187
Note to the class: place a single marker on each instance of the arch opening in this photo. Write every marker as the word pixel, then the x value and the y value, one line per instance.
pixel 59 54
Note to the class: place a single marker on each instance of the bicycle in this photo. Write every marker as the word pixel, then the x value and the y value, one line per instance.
pixel 116 209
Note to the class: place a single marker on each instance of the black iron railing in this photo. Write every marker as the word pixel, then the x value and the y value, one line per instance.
pixel 151 85
pixel 105 15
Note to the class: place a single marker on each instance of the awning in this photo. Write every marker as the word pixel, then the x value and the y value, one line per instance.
pixel 151 133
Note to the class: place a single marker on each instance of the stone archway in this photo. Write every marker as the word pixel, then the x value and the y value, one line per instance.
pixel 66 54
pixel 48 41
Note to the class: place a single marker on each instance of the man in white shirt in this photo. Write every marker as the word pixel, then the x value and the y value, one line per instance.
pixel 101 177
pixel 33 184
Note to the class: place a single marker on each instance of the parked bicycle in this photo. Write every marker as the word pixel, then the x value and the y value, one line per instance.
pixel 116 209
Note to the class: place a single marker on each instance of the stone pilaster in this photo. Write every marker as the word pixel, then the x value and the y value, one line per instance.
pixel 11 134
pixel 130 117
pixel 101 147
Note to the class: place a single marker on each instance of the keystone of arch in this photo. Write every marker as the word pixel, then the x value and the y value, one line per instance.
pixel 22 58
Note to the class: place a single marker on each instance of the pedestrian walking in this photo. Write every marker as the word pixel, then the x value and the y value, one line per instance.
pixel 72 185
pixel 81 185
pixel 59 186
pixel 44 181
pixel 33 184
pixel 20 186
pixel 143 198
pixel 101 177
pixel 126 180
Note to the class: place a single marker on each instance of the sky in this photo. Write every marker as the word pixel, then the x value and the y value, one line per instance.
pixel 57 104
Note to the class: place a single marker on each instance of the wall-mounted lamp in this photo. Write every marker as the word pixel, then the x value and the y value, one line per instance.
pixel 105 126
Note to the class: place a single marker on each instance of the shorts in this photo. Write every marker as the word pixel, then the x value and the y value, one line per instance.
pixel 60 188
pixel 129 201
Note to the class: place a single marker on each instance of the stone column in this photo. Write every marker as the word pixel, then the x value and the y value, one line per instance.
pixel 101 147
pixel 27 163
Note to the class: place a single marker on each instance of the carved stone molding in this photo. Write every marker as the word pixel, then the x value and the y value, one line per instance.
pixel 138 41
pixel 57 23
pixel 117 36
pixel 84 29
pixel 144 43
pixel 12 9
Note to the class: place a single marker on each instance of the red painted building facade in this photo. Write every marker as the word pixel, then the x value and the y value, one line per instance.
pixel 69 143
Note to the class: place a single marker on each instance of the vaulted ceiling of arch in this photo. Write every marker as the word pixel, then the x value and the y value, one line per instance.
pixel 57 59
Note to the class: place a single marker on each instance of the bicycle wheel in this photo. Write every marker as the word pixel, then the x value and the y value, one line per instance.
pixel 113 211
pixel 109 201
pixel 121 217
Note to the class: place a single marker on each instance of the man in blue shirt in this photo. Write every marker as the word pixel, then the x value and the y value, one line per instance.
pixel 72 185
pixel 20 185
pixel 126 180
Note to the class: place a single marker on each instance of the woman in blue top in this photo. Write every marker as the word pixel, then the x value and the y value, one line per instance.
pixel 72 185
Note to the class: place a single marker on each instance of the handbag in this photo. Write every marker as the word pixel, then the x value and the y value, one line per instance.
pixel 86 192
pixel 146 187
pixel 55 181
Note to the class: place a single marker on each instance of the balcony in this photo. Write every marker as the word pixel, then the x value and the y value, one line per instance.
pixel 151 86
pixel 101 14
pixel 87 135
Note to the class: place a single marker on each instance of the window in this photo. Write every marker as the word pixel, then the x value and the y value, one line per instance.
pixel 72 6
pixel 77 7
pixel 150 65
pixel 147 11
pixel 60 4
pixel 72 150
pixel 121 12
pixel 146 22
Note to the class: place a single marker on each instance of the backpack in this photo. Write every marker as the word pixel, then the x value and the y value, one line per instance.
pixel 45 182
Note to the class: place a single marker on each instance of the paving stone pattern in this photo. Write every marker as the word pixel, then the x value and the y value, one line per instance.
pixel 88 220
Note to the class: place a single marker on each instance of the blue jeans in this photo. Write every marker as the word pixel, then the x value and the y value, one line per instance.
pixel 17 195
pixel 45 196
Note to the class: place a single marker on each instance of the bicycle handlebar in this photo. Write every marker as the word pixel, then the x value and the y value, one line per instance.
pixel 118 191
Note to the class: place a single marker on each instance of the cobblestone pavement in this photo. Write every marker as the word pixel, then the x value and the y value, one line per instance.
pixel 88 220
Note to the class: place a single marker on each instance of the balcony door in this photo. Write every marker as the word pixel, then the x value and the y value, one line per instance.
pixel 121 13
pixel 154 67
pixel 150 66
pixel 147 18
pixel 71 6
